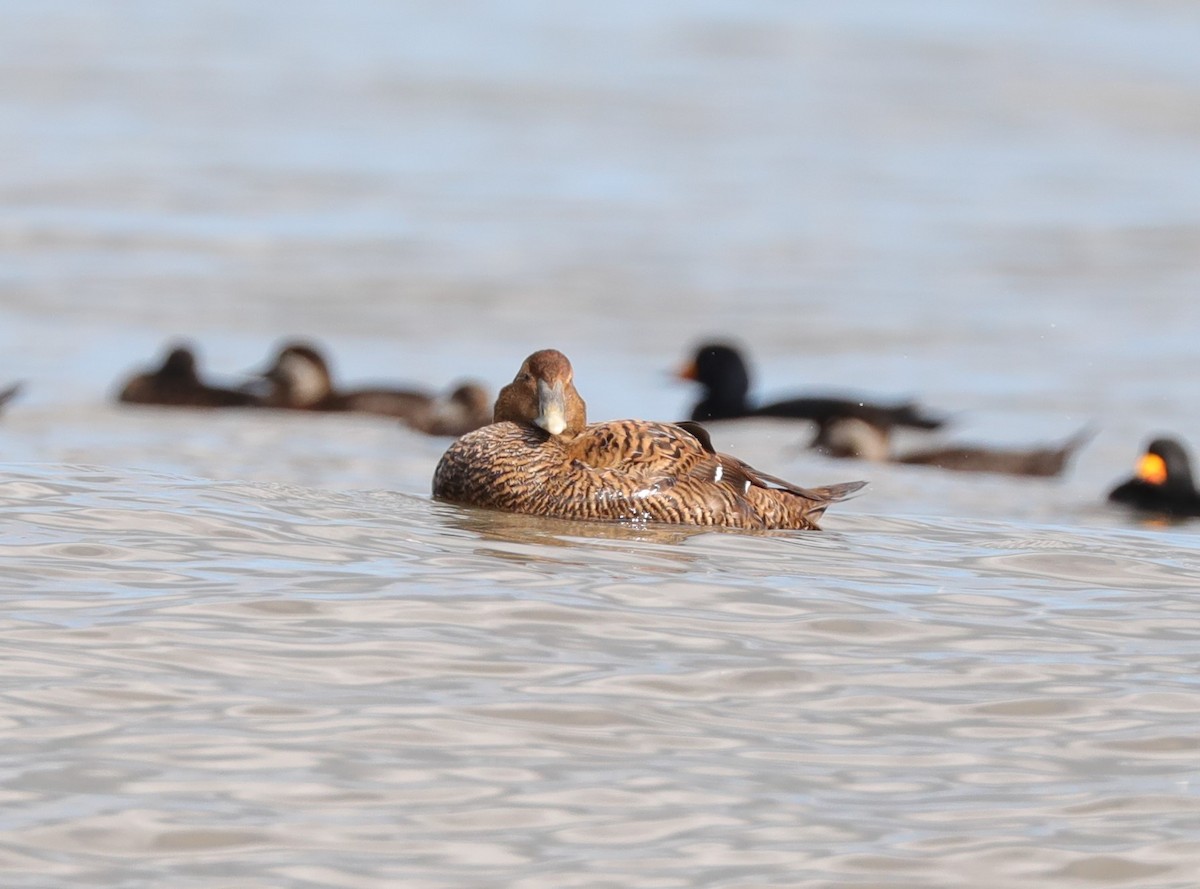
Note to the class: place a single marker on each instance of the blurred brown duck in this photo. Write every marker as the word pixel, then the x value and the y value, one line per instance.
pixel 852 437
pixel 540 457
pixel 301 380
pixel 176 383
pixel 465 409
pixel 1162 482
pixel 722 372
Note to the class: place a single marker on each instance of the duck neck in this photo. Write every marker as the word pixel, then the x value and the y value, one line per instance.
pixel 723 400
pixel 1180 482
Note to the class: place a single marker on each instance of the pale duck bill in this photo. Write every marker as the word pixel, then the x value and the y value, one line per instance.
pixel 552 407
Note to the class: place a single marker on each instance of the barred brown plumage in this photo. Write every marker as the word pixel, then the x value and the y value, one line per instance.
pixel 541 458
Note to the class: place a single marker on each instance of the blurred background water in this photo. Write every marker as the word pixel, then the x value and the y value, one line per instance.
pixel 245 649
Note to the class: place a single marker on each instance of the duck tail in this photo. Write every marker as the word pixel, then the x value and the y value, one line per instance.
pixel 824 496
pixel 10 393
pixel 911 415
pixel 833 493
pixel 1079 439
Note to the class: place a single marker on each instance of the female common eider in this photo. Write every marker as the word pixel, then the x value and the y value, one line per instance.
pixel 540 457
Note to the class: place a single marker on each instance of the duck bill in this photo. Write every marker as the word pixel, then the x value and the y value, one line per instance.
pixel 687 372
pixel 552 407
pixel 1152 469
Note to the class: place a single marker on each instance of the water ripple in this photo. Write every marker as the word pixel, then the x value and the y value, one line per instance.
pixel 204 672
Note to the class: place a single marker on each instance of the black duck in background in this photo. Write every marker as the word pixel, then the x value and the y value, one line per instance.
pixel 1162 482
pixel 722 372
pixel 850 437
pixel 176 383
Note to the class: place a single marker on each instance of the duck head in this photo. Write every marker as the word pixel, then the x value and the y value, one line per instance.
pixel 300 376
pixel 180 364
pixel 1166 464
pixel 543 394
pixel 465 409
pixel 722 371
pixel 469 399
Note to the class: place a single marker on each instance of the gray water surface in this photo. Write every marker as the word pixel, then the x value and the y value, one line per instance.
pixel 266 685
pixel 247 650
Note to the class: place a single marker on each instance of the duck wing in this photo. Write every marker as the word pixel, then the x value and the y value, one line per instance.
pixel 676 451
pixel 741 474
pixel 640 447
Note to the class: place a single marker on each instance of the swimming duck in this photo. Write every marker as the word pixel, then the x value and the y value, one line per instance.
pixel 1162 482
pixel 541 457
pixel 301 380
pixel 176 383
pixel 465 409
pixel 852 437
pixel 722 371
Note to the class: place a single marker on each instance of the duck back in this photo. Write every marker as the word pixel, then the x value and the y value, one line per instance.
pixel 628 471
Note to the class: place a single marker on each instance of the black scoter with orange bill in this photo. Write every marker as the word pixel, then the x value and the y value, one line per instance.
pixel 722 372
pixel 541 457
pixel 1162 482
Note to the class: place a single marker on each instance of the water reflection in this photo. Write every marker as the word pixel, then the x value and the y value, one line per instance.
pixel 559 532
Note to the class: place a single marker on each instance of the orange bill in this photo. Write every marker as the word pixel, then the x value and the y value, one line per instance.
pixel 687 372
pixel 1152 469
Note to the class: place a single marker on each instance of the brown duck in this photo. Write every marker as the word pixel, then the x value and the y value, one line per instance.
pixel 301 380
pixel 177 383
pixel 540 457
pixel 465 409
pixel 852 437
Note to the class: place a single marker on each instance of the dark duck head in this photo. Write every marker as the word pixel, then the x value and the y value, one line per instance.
pixel 722 372
pixel 300 377
pixel 179 366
